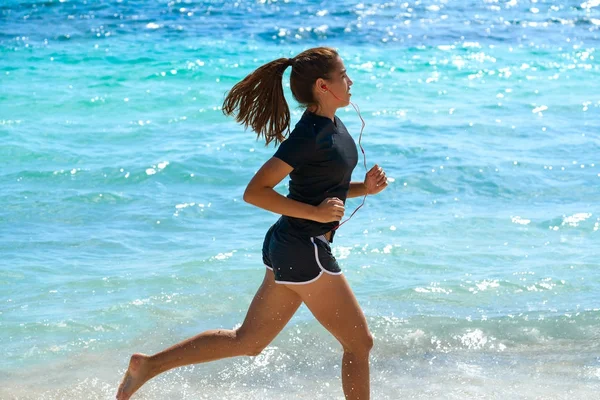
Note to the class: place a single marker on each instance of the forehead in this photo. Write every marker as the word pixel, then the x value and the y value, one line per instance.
pixel 338 65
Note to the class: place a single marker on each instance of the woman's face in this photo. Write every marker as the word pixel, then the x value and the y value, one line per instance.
pixel 339 83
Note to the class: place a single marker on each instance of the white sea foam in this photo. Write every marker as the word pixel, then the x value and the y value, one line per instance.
pixel 575 219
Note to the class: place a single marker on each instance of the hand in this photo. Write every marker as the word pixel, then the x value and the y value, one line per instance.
pixel 375 180
pixel 331 209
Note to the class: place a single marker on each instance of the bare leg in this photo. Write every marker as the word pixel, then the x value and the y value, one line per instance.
pixel 332 302
pixel 271 309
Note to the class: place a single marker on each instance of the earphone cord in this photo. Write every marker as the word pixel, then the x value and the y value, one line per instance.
pixel 364 161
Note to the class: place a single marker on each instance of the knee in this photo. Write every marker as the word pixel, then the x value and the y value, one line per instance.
pixel 361 345
pixel 368 342
pixel 248 346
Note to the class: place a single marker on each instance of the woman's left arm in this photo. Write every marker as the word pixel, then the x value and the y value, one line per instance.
pixel 375 182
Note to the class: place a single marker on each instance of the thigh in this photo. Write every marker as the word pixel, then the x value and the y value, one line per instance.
pixel 271 309
pixel 334 305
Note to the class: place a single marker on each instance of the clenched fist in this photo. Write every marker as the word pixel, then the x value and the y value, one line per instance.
pixel 375 180
pixel 331 209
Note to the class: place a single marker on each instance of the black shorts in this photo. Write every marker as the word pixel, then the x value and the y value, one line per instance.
pixel 297 259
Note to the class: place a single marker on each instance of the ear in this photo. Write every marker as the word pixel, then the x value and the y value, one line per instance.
pixel 321 85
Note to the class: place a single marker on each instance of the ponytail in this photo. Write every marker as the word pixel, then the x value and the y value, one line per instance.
pixel 259 102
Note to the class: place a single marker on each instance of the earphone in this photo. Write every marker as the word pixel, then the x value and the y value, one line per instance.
pixel 323 86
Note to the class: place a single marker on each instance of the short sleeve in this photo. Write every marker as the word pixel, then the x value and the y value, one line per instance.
pixel 296 149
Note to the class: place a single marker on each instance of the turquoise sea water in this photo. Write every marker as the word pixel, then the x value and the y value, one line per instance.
pixel 123 229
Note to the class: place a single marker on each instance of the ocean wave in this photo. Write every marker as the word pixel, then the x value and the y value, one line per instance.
pixel 305 358
pixel 525 331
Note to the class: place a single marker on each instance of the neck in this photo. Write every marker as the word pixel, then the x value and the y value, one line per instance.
pixel 323 111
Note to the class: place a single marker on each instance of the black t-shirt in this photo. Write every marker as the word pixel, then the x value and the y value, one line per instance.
pixel 323 155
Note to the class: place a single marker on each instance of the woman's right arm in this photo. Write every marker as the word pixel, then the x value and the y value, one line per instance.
pixel 261 193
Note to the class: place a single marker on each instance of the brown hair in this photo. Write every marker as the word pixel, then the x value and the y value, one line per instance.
pixel 259 101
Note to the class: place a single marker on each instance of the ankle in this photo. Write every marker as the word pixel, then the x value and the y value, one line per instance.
pixel 153 367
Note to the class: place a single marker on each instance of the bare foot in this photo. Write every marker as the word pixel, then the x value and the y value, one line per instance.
pixel 135 377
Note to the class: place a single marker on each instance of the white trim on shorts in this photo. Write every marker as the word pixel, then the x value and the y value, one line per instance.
pixel 295 283
pixel 317 257
pixel 299 283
